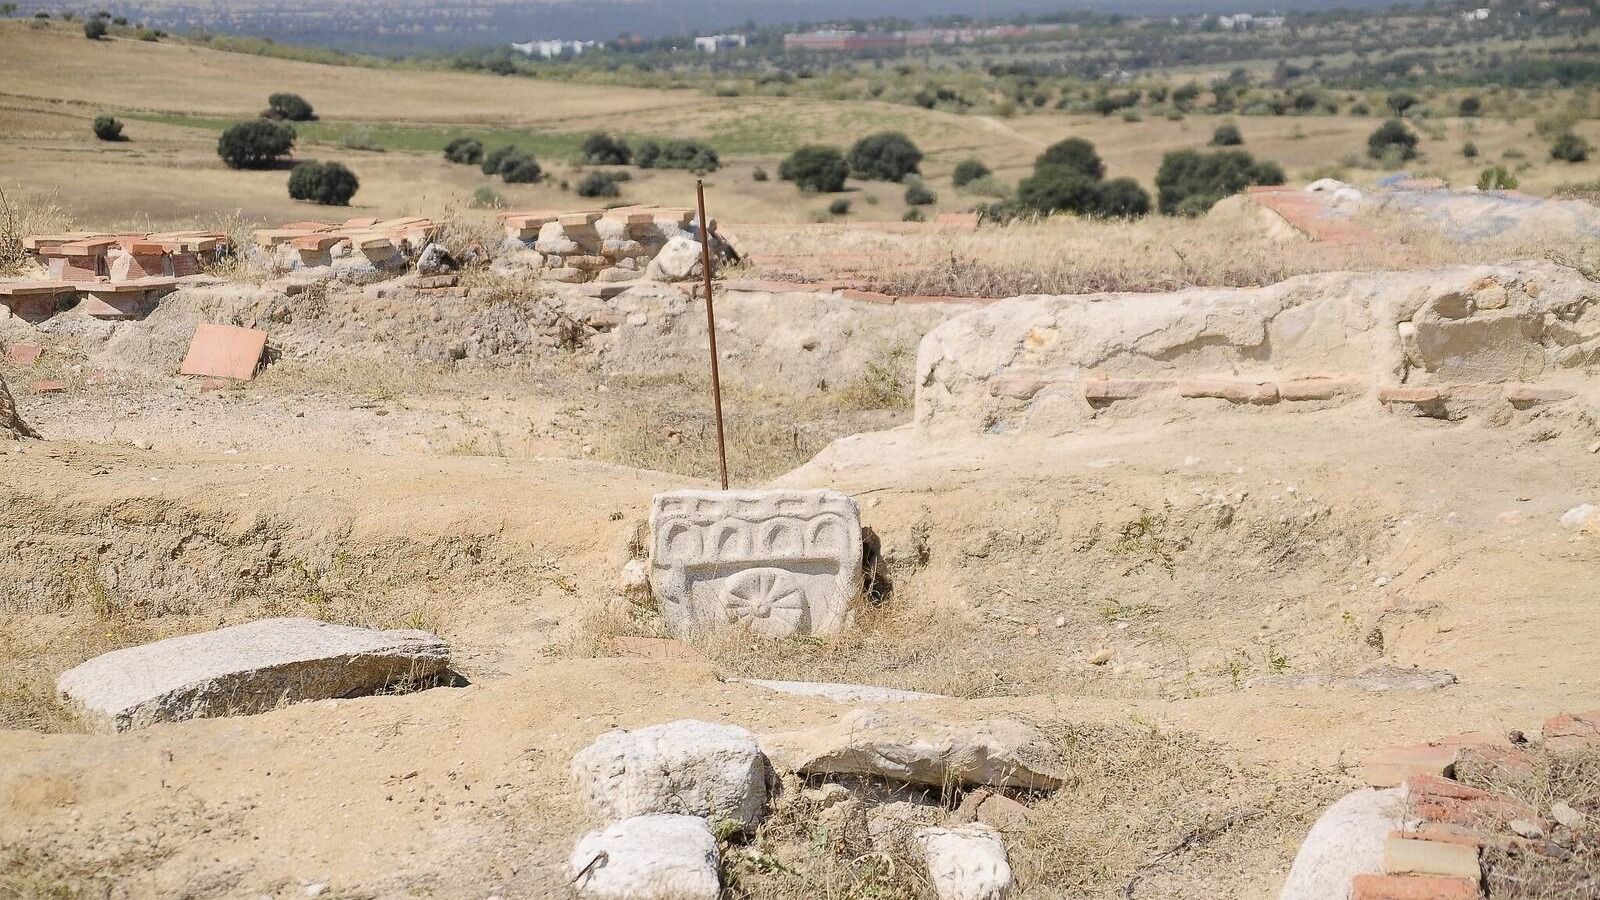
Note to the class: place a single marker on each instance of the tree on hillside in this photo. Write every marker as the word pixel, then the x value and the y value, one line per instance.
pixel 328 183
pixel 464 150
pixel 601 149
pixel 289 106
pixel 1400 101
pixel 517 167
pixel 1568 147
pixel 967 171
pixel 815 167
pixel 1392 139
pixel 677 154
pixel 492 159
pixel 1226 136
pixel 107 128
pixel 94 29
pixel 256 144
pixel 1076 154
pixel 1190 182
pixel 885 156
pixel 1470 106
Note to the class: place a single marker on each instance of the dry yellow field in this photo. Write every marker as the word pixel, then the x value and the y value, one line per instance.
pixel 174 98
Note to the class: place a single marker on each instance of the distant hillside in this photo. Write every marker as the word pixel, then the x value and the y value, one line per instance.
pixel 382 27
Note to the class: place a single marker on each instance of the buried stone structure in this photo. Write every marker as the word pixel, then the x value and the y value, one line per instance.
pixel 780 563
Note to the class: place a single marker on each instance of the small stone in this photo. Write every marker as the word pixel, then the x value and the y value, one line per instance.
pixel 686 766
pixel 1525 828
pixel 966 863
pixel 1578 516
pixel 1061 621
pixel 659 857
pixel 1101 657
pixel 1565 815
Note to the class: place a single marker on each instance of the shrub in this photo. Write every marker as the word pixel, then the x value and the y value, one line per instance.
pixel 918 194
pixel 290 106
pixel 987 186
pixel 94 29
pixel 1497 178
pixel 885 156
pixel 1075 154
pixel 677 154
pixel 1568 147
pixel 967 171
pixel 360 139
pixel 1058 189
pixel 517 167
pixel 1469 150
pixel 486 197
pixel 759 174
pixel 601 184
pixel 1122 198
pixel 1226 136
pixel 328 183
pixel 1469 106
pixel 108 129
pixel 839 207
pixel 492 159
pixel 1190 182
pixel 256 144
pixel 1392 134
pixel 815 167
pixel 913 215
pixel 601 149
pixel 464 150
pixel 1400 101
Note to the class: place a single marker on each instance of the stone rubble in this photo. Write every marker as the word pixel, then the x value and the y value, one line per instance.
pixel 1423 838
pixel 906 747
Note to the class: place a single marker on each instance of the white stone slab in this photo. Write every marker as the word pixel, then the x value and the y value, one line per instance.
pixel 246 669
pixel 779 563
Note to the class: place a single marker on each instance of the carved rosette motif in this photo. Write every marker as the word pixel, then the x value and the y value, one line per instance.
pixel 778 563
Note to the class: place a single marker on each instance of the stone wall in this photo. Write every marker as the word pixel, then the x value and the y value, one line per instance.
pixel 1439 343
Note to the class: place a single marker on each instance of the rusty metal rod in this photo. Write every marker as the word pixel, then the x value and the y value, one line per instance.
pixel 711 328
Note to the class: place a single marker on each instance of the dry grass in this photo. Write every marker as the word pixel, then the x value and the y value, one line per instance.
pixel 1145 812
pixel 1066 255
pixel 665 422
pixel 23 214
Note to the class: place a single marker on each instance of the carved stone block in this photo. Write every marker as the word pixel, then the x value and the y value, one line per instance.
pixel 780 563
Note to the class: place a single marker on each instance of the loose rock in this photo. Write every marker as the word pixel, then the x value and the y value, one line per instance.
pixel 661 857
pixel 966 863
pixel 687 766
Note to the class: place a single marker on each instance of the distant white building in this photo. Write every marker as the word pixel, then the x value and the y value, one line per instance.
pixel 1475 15
pixel 552 49
pixel 713 42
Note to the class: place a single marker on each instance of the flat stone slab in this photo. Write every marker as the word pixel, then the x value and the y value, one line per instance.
pixel 224 351
pixel 246 669
pixel 894 744
pixel 779 563
pixel 842 693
